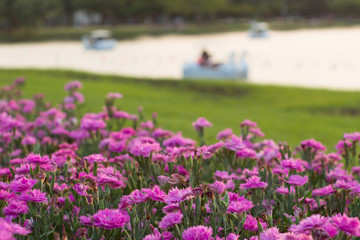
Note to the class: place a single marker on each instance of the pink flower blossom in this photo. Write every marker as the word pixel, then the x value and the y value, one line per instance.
pixel 81 189
pixel 70 86
pixel 176 195
pixel 114 95
pixel 110 219
pixel 170 220
pixel 218 187
pixel 240 206
pixel 251 224
pixel 297 180
pixel 155 193
pixel 34 195
pixel 201 123
pixel 22 184
pixel 253 182
pixel 197 233
pixel 309 224
pixel 325 191
pixel 144 149
pixel 95 158
pixel 311 143
pixel 15 208
pixel 349 225
pixel 248 123
pixel 37 159
pixel 227 133
pixel 270 234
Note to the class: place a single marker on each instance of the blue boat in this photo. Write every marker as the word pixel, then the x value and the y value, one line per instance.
pixel 259 30
pixel 99 40
pixel 230 70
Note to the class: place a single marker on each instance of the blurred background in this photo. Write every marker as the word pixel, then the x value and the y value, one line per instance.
pixel 143 46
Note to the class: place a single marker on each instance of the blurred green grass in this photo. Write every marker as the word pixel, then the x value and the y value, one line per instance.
pixel 283 113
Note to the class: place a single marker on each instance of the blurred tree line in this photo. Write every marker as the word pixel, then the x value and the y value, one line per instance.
pixel 15 14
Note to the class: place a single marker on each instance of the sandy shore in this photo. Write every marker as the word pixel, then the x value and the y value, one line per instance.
pixel 327 58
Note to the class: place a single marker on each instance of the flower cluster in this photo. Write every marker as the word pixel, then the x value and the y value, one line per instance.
pixel 116 175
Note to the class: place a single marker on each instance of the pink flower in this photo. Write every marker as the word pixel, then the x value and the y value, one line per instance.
pixel 309 224
pixel 163 180
pixel 248 123
pixel 110 219
pixel 28 140
pixel 157 236
pixel 176 195
pixel 171 208
pixel 95 158
pixel 325 191
pixel 161 133
pixel 37 159
pixel 240 206
pixel 349 225
pixel 270 234
pixel 292 164
pixel 155 193
pixel 113 181
pixel 197 233
pixel 5 195
pixel 148 124
pixel 85 221
pixel 144 149
pixel 257 132
pixel 81 189
pixel 232 236
pixel 114 95
pixel 22 184
pixel 297 180
pixel 219 187
pixel 7 229
pixel 311 143
pixel 345 185
pixel 178 141
pixel 253 182
pixel 92 124
pixel 121 114
pixel 246 153
pixel 201 123
pixel 170 220
pixel 33 196
pixel 15 208
pixel 137 196
pixel 222 174
pixel 70 86
pixel 282 190
pixel 355 136
pixel 23 169
pixel 234 143
pixel 227 133
pixel 251 224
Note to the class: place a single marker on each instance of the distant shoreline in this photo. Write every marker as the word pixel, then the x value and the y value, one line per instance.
pixel 129 32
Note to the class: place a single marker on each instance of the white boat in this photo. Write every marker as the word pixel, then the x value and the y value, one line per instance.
pixel 229 70
pixel 259 30
pixel 99 40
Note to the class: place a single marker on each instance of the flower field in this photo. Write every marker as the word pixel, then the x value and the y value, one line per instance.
pixel 116 175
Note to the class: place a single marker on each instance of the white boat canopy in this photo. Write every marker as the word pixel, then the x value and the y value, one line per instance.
pixel 102 33
pixel 260 26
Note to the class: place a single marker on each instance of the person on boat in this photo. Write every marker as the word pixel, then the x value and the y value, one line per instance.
pixel 204 59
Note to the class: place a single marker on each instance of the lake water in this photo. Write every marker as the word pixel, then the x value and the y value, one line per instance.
pixel 328 58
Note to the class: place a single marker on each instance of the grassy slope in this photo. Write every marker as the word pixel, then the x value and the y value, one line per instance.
pixel 284 114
